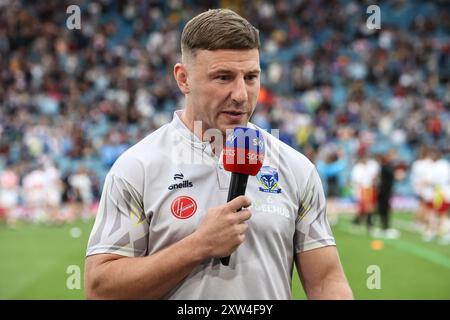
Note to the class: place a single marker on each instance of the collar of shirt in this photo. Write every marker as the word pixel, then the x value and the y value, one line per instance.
pixel 195 142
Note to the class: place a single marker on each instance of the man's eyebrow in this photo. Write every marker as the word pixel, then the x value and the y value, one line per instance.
pixel 228 71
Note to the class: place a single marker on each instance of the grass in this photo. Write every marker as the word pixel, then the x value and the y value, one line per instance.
pixel 34 261
pixel 409 267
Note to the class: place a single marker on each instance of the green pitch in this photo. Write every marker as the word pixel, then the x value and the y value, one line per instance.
pixel 41 262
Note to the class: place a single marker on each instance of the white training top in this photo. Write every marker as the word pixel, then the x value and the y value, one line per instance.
pixel 440 177
pixel 364 175
pixel 158 191
pixel 421 179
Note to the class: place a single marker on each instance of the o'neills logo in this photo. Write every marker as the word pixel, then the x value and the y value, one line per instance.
pixel 181 185
pixel 183 207
pixel 184 184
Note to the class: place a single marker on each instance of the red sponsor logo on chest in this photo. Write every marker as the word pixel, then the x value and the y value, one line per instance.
pixel 183 207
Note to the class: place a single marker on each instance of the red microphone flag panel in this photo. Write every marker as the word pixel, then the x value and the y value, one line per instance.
pixel 244 151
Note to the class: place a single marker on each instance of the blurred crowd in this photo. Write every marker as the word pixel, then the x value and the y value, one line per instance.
pixel 71 101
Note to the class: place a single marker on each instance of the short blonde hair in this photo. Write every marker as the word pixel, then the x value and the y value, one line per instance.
pixel 218 29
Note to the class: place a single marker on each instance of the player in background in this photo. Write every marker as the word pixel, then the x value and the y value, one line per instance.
pixel 9 195
pixel 419 181
pixel 364 179
pixel 81 185
pixel 440 203
pixel 35 194
pixel 53 189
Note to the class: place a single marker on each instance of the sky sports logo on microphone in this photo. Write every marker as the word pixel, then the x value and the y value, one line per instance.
pixel 243 156
pixel 251 136
pixel 244 151
pixel 180 185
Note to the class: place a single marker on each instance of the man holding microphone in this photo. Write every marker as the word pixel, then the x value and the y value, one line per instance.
pixel 164 223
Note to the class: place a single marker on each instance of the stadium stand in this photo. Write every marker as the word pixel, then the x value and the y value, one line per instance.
pixel 81 97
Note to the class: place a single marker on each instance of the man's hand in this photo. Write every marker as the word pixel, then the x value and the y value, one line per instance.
pixel 222 229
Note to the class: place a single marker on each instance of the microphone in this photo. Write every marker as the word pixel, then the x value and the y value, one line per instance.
pixel 243 155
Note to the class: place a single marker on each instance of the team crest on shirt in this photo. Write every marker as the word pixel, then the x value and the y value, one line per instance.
pixel 268 179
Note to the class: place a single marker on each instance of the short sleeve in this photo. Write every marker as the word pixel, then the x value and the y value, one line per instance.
pixel 121 226
pixel 312 229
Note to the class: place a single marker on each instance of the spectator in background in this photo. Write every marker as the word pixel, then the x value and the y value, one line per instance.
pixel 330 170
pixel 113 146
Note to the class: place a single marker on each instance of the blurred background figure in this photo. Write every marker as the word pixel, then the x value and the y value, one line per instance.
pixel 53 189
pixel 82 197
pixel 420 177
pixel 35 194
pixel 439 186
pixel 388 167
pixel 331 165
pixel 9 195
pixel 364 179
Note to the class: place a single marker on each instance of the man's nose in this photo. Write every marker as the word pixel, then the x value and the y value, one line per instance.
pixel 239 93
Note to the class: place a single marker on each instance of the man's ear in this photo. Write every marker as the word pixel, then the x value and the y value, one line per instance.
pixel 181 76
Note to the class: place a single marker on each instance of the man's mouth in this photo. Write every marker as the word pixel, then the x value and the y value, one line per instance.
pixel 234 115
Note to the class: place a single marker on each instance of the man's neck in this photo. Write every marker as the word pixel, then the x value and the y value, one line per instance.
pixel 188 120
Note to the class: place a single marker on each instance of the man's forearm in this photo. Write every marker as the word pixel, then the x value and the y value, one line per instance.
pixel 148 277
pixel 331 289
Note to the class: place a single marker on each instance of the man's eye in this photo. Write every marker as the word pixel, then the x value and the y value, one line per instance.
pixel 251 77
pixel 223 77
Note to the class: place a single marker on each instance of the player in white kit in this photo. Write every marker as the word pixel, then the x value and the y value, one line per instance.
pixel 421 184
pixel 163 219
pixel 9 194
